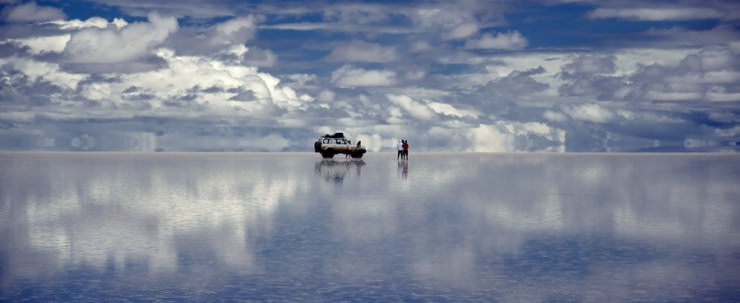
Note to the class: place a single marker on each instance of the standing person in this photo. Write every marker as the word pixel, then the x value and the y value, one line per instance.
pixel 399 146
pixel 405 149
pixel 359 144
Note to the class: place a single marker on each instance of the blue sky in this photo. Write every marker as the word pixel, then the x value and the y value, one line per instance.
pixel 488 76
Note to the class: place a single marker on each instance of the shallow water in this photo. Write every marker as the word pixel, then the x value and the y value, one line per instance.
pixel 438 227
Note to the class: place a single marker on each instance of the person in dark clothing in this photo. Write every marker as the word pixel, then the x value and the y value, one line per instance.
pixel 405 149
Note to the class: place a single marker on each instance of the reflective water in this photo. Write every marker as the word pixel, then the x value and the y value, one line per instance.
pixel 439 227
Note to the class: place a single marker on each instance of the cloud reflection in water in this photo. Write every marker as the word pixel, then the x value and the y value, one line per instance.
pixel 452 227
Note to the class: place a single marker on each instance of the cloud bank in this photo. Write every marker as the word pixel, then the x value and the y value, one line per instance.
pixel 462 78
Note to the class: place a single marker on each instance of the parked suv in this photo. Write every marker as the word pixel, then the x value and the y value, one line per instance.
pixel 330 145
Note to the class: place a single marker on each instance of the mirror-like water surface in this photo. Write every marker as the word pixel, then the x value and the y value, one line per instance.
pixel 439 227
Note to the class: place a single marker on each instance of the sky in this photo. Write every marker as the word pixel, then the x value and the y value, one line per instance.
pixel 469 76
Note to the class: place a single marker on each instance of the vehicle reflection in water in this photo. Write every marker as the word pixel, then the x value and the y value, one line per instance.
pixel 336 171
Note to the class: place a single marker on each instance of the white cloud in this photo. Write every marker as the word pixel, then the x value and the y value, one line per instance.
pixel 205 70
pixel 591 112
pixel 508 136
pixel 219 202
pixel 720 94
pixel 423 46
pixel 350 76
pixel 491 138
pixel 710 59
pixel 626 114
pixel 657 13
pixel 536 128
pixel 46 44
pixel 326 96
pixel 416 75
pixel 505 41
pixel 628 61
pixel 683 37
pixel 660 95
pixel 43 72
pixel 554 116
pixel 259 57
pixel 234 31
pixel 272 142
pixel 591 64
pixel 96 22
pixel 461 31
pixel 449 110
pixel 30 12
pixel 302 80
pixel 434 17
pixel 416 109
pixel 193 82
pixel 114 46
pixel 301 26
pixel 361 51
pixel 731 132
pixel 720 77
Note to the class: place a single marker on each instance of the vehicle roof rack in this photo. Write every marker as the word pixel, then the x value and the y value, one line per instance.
pixel 335 135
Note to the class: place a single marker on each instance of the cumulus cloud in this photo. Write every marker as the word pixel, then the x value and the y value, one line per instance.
pixel 589 75
pixel 255 56
pixel 28 73
pixel 43 45
pixel 517 84
pixel 229 39
pixel 361 51
pixel 504 41
pixel 234 31
pixel 703 75
pixel 416 109
pixel 111 45
pixel 590 112
pixel 491 138
pixel 450 110
pixel 350 76
pixel 30 12
pixel 165 82
pixel 699 75
pixel 554 116
pixel 590 64
pixel 508 136
pixel 204 85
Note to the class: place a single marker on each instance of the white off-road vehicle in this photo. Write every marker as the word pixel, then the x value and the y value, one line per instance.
pixel 330 145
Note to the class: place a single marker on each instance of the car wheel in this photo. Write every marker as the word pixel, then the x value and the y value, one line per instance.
pixel 327 154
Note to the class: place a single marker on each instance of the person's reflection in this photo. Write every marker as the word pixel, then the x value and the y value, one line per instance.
pixel 403 169
pixel 336 171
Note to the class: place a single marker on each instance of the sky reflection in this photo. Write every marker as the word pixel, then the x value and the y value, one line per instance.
pixel 503 227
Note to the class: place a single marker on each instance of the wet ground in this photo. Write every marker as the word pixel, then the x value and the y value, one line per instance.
pixel 438 227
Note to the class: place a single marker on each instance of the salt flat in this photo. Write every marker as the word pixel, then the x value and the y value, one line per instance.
pixel 438 227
